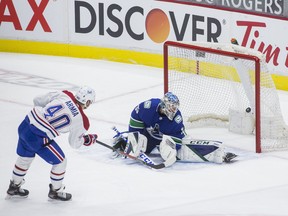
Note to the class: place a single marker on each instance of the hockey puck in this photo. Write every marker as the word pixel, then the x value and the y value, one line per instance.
pixel 248 109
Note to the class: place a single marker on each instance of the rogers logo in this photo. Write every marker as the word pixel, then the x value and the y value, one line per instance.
pixel 156 23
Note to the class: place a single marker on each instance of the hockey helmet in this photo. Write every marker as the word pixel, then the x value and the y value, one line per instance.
pixel 170 105
pixel 85 94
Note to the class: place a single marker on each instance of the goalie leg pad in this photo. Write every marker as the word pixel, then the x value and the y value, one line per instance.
pixel 216 156
pixel 136 144
pixel 168 151
pixel 203 151
pixel 189 154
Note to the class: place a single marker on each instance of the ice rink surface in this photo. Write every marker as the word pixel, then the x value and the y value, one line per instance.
pixel 255 185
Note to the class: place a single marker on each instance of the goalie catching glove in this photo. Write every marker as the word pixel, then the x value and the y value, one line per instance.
pixel 120 141
pixel 132 143
pixel 90 139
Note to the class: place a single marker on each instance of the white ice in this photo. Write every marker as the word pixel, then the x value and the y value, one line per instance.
pixel 257 184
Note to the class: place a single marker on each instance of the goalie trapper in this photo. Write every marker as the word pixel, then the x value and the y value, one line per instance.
pixel 119 143
pixel 132 143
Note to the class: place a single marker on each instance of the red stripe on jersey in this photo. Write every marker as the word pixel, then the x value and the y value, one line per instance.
pixel 86 123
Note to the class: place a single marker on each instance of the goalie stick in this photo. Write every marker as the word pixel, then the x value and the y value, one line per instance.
pixel 147 163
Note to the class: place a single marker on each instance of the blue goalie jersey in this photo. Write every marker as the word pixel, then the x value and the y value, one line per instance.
pixel 149 121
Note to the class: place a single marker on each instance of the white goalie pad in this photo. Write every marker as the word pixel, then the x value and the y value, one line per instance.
pixel 193 150
pixel 136 144
pixel 168 151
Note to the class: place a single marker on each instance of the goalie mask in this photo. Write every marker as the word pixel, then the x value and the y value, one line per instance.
pixel 169 105
pixel 85 94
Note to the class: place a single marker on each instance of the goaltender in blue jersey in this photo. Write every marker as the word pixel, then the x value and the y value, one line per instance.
pixel 158 123
pixel 150 120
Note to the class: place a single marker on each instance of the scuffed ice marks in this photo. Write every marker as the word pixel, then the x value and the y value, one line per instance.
pixel 24 79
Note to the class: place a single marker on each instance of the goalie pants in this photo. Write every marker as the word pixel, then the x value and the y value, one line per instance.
pixel 33 141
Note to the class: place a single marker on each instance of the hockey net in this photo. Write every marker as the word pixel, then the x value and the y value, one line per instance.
pixel 226 85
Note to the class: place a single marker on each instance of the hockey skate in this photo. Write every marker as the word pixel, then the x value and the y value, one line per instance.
pixel 58 194
pixel 15 190
pixel 229 157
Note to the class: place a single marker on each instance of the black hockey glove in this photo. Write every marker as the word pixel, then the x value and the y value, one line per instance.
pixel 120 143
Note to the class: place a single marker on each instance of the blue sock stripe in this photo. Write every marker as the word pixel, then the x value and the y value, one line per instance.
pixel 17 174
pixel 56 179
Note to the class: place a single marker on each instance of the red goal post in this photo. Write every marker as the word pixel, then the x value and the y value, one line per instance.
pixel 200 74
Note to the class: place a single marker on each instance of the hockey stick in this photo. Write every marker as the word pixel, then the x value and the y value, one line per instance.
pixel 154 166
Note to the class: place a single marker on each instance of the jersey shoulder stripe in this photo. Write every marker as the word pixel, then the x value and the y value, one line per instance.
pixel 86 122
pixel 137 124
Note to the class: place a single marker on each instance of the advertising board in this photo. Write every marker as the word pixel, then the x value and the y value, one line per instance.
pixel 141 26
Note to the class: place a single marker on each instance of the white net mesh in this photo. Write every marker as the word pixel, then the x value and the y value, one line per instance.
pixel 209 85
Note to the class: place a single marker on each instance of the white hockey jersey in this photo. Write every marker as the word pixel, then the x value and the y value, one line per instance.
pixel 57 112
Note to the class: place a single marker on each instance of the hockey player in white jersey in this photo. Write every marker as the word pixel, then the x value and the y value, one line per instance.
pixel 53 114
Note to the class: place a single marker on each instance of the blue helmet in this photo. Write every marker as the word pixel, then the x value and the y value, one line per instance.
pixel 170 105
